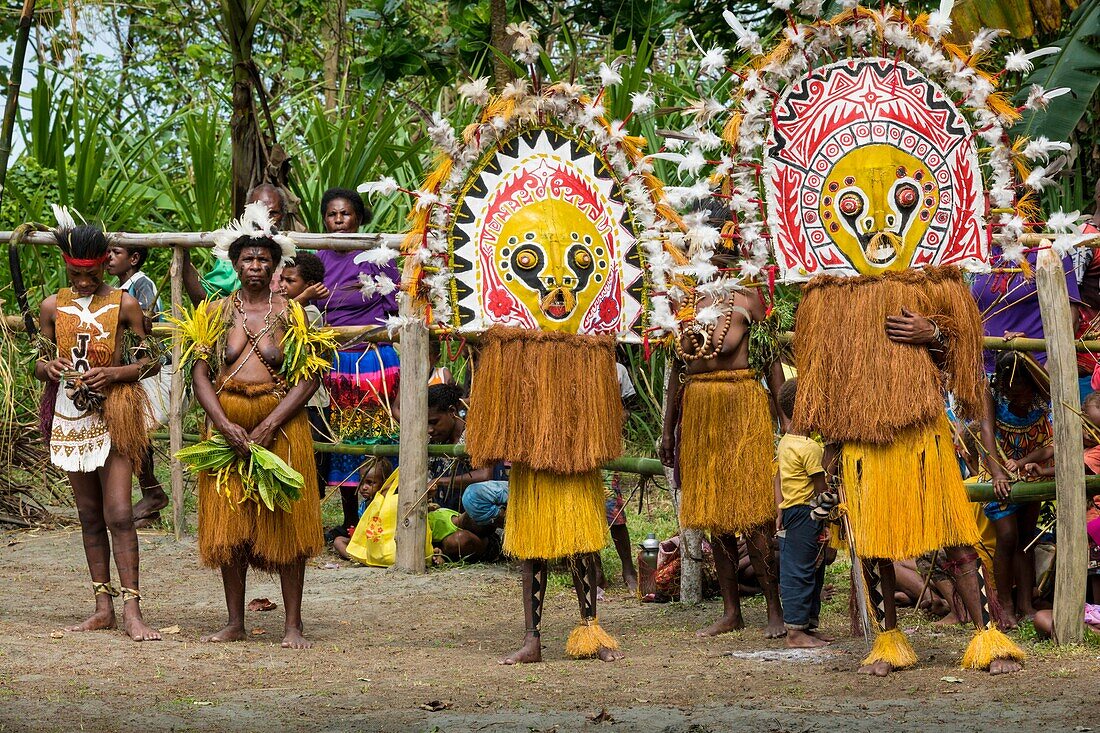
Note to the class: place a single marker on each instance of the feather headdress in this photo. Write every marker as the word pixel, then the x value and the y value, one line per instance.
pixel 255 223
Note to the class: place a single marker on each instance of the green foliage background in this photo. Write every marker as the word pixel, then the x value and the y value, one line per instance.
pixel 127 119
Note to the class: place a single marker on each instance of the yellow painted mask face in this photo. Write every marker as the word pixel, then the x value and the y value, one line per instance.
pixel 876 205
pixel 553 259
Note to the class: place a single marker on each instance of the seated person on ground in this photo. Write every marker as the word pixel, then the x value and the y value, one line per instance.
pixel 372 476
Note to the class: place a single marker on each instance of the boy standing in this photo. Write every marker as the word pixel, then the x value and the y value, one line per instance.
pixel 125 264
pixel 801 566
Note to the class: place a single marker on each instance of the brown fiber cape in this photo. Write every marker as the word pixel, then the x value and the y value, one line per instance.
pixel 856 384
pixel 546 399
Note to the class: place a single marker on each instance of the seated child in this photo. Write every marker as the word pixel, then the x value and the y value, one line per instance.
pixel 372 476
pixel 302 280
pixel 125 264
pixel 801 545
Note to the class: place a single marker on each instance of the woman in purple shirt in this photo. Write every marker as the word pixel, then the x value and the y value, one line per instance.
pixel 1009 303
pixel 363 382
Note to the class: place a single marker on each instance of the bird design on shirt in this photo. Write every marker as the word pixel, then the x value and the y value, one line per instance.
pixel 88 317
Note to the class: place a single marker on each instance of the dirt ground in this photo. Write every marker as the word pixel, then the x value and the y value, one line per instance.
pixel 390 647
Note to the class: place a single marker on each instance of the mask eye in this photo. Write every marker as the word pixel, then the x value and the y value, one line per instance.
pixel 583 258
pixel 526 259
pixel 906 195
pixel 850 204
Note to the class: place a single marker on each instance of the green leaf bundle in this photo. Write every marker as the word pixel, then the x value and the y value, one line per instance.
pixel 265 478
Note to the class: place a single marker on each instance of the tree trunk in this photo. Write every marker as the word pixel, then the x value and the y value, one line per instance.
pixel 498 23
pixel 239 18
pixel 11 108
pixel 335 28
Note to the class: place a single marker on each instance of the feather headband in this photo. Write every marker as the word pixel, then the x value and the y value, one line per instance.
pixel 255 223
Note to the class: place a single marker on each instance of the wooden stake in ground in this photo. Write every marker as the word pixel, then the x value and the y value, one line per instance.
pixel 691 540
pixel 175 399
pixel 1070 573
pixel 412 514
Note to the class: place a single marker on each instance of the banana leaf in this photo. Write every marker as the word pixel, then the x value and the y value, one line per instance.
pixel 1076 66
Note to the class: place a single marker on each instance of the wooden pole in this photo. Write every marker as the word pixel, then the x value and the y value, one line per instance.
pixel 304 240
pixel 413 479
pixel 175 403
pixel 1070 573
pixel 691 540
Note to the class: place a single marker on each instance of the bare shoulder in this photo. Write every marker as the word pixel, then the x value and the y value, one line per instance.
pixel 750 300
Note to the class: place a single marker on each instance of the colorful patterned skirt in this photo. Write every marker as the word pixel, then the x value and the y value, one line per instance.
pixel 362 388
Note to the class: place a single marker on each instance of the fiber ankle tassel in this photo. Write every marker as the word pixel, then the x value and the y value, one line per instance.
pixel 988 644
pixel 892 647
pixel 586 640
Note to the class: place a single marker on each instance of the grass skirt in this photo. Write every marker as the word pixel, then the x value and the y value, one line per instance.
pixel 726 449
pixel 554 515
pixel 907 498
pixel 270 539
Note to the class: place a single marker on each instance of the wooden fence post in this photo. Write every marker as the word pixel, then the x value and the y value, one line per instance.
pixel 412 522
pixel 691 540
pixel 1072 564
pixel 175 403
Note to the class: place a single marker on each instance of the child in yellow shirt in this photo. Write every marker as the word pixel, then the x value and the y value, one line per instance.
pixel 801 566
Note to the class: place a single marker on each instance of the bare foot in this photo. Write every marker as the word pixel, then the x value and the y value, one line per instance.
pixel 232 632
pixel 799 639
pixel 729 622
pixel 819 635
pixel 949 620
pixel 293 639
pixel 878 669
pixel 1007 620
pixel 135 625
pixel 96 622
pixel 150 504
pixel 1004 666
pixel 631 580
pixel 609 655
pixel 148 521
pixel 529 653
pixel 775 629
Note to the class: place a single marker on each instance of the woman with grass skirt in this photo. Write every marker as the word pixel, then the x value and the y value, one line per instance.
pixel 255 364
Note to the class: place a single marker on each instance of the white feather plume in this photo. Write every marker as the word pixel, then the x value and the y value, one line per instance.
pixel 747 40
pixel 1062 222
pixel 385 186
pixel 1023 62
pixel 1041 148
pixel 63 216
pixel 256 223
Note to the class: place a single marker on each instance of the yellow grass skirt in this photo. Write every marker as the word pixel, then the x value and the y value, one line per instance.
pixel 726 449
pixel 554 515
pixel 907 498
pixel 269 539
